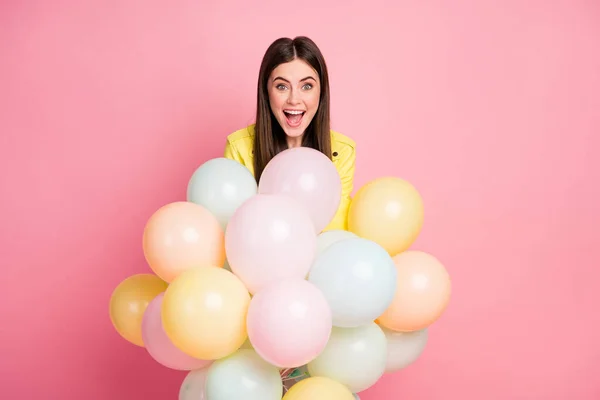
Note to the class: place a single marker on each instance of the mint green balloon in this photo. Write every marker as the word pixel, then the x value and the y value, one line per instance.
pixel 221 185
pixel 243 375
pixel 192 387
pixel 404 348
pixel 355 357
pixel 327 238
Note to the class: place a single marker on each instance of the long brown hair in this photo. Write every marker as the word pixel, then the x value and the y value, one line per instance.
pixel 270 139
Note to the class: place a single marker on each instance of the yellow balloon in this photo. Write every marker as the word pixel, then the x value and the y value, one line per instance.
pixel 204 312
pixel 318 388
pixel 387 211
pixel 129 301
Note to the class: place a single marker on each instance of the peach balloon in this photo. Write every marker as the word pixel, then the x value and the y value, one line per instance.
pixel 387 211
pixel 422 294
pixel 182 235
pixel 318 388
pixel 129 302
pixel 204 312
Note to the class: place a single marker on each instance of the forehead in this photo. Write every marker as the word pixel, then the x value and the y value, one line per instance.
pixel 294 70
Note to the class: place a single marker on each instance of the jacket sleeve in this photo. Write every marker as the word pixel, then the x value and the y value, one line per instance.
pixel 232 153
pixel 347 168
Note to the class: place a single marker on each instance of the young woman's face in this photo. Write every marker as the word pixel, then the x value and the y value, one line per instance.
pixel 294 96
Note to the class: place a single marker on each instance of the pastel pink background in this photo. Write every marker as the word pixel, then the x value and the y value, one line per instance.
pixel 492 109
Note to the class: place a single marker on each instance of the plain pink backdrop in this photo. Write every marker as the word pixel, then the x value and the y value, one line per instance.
pixel 490 108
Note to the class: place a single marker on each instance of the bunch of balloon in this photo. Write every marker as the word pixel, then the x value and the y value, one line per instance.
pixel 256 300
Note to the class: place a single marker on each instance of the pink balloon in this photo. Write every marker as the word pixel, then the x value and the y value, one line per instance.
pixel 160 346
pixel 310 177
pixel 289 323
pixel 270 238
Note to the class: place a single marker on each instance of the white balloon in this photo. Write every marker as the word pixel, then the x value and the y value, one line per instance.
pixel 243 375
pixel 192 387
pixel 221 185
pixel 355 357
pixel 358 278
pixel 327 238
pixel 404 348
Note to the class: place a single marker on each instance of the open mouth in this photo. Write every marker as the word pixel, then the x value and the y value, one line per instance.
pixel 294 117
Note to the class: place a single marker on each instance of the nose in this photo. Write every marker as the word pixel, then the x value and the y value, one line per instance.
pixel 293 97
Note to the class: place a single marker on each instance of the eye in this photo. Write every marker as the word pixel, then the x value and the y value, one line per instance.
pixel 308 86
pixel 281 87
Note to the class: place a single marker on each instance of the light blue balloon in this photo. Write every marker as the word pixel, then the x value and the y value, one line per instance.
pixel 243 375
pixel 358 278
pixel 221 185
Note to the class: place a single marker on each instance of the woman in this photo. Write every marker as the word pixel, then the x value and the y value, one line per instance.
pixel 293 110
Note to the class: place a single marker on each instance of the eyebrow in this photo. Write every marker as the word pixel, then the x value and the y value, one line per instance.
pixel 301 80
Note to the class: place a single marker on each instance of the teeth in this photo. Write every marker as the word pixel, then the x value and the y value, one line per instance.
pixel 293 112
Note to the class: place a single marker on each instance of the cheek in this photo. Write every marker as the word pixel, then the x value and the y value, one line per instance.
pixel 275 101
pixel 313 101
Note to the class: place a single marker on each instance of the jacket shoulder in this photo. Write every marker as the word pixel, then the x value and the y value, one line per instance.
pixel 341 141
pixel 243 134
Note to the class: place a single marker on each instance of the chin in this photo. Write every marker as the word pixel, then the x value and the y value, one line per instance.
pixel 294 132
